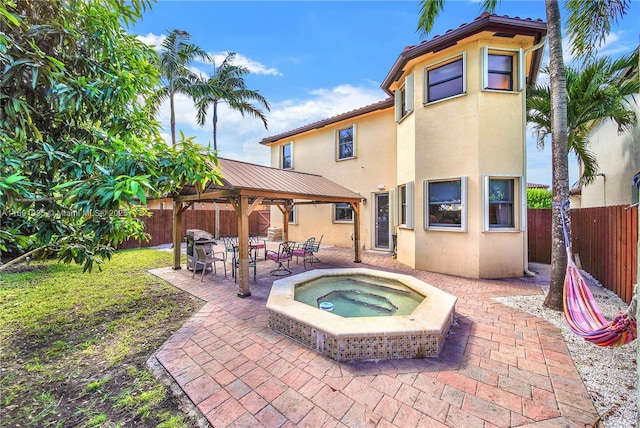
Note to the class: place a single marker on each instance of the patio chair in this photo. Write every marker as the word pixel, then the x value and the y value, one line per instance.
pixel 255 243
pixel 304 250
pixel 230 248
pixel 207 261
pixel 284 254
pixel 252 263
pixel 314 249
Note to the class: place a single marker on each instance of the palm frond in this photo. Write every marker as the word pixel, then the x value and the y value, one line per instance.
pixel 590 22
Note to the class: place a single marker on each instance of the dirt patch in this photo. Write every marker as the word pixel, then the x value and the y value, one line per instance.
pixel 93 372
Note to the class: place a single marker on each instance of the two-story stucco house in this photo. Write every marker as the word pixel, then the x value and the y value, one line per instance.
pixel 441 164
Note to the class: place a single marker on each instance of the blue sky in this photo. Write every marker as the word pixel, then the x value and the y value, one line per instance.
pixel 316 59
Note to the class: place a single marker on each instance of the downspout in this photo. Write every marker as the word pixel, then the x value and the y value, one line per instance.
pixel 525 240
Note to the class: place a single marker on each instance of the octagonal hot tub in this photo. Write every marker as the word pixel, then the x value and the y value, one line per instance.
pixel 417 332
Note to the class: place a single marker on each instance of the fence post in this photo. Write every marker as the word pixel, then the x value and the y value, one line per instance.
pixel 636 181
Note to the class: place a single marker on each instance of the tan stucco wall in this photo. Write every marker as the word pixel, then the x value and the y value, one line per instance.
pixel 480 132
pixel 475 134
pixel 374 165
pixel 618 159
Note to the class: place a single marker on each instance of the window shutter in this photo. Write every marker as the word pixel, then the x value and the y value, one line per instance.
pixel 410 204
pixel 355 141
pixel 396 204
pixel 485 203
pixel 463 202
pixel 425 204
pixel 281 156
pixel 398 104
pixel 408 92
pixel 292 157
pixel 484 55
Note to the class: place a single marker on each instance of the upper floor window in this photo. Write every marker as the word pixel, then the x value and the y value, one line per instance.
pixel 404 98
pixel 445 203
pixel 500 203
pixel 502 69
pixel 500 72
pixel 446 80
pixel 346 143
pixel 343 213
pixel 286 156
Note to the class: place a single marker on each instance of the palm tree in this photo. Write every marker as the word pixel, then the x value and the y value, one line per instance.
pixel 596 92
pixel 589 21
pixel 176 77
pixel 227 84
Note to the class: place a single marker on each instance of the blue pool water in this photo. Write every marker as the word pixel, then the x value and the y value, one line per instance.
pixel 359 295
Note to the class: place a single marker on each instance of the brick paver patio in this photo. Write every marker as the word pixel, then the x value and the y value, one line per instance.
pixel 500 367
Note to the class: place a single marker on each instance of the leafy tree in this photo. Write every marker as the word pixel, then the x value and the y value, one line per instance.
pixel 227 85
pixel 538 198
pixel 596 91
pixel 588 22
pixel 79 151
pixel 175 59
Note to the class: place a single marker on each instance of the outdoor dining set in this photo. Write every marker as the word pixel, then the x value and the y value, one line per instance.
pixel 203 255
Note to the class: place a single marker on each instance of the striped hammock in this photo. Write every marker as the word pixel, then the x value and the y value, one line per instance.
pixel 582 313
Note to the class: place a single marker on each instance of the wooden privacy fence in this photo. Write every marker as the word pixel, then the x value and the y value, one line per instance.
pixel 604 238
pixel 160 225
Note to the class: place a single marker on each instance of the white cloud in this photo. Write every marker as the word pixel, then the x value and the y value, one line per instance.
pixel 323 103
pixel 151 39
pixel 252 65
pixel 239 137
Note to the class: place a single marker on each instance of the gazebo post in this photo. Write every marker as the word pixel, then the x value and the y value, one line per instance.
pixel 243 247
pixel 355 206
pixel 177 233
pixel 285 222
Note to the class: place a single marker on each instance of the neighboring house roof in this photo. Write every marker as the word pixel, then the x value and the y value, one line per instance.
pixel 537 186
pixel 501 25
pixel 272 184
pixel 380 105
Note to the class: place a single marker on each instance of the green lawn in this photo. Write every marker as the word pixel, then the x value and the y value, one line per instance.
pixel 74 346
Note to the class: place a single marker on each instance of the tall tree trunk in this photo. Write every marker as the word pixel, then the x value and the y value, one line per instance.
pixel 559 148
pixel 173 121
pixel 215 125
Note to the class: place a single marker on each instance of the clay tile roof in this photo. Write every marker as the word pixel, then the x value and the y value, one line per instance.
pixel 537 186
pixel 380 105
pixel 485 22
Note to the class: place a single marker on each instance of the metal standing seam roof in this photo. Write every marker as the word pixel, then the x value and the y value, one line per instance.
pixel 272 182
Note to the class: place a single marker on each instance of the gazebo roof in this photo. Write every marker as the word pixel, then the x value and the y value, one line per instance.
pixel 272 184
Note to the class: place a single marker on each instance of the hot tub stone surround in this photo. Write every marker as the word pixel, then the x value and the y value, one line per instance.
pixel 418 335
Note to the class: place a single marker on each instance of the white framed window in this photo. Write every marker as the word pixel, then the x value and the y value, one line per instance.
pixel 402 203
pixel 445 79
pixel 501 198
pixel 502 69
pixel 286 156
pixel 342 213
pixel 445 204
pixel 405 204
pixel 404 98
pixel 346 143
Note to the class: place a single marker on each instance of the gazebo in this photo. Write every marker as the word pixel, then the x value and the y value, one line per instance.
pixel 246 186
